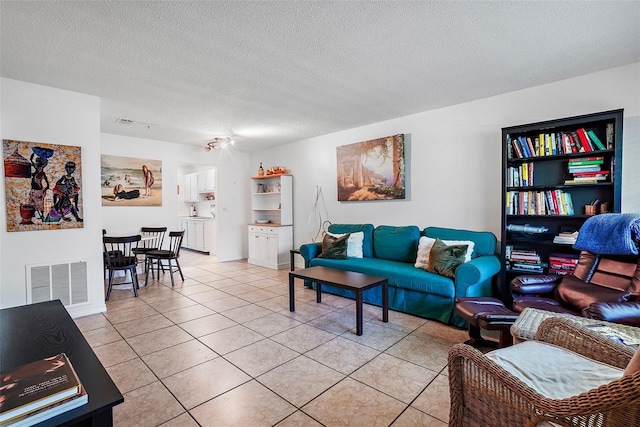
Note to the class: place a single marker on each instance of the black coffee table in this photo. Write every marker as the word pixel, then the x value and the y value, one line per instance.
pixel 351 280
pixel 35 331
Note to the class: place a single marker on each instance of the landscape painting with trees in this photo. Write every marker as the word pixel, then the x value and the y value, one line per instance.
pixel 372 170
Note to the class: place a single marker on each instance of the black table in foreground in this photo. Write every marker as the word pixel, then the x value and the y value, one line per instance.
pixel 356 282
pixel 35 331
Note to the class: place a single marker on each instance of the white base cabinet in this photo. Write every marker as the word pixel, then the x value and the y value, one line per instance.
pixel 200 235
pixel 269 246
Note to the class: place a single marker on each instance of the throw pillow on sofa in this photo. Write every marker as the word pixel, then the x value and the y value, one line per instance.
pixel 334 247
pixel 426 244
pixel 354 243
pixel 444 259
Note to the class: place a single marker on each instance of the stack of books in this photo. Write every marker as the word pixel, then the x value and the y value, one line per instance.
pixel 39 390
pixel 562 263
pixel 587 170
pixel 566 238
pixel 525 260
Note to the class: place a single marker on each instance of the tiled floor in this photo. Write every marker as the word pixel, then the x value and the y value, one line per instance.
pixel 222 349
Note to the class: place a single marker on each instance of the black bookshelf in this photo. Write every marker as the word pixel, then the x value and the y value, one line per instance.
pixel 530 203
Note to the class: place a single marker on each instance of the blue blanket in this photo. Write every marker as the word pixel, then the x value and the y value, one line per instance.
pixel 610 234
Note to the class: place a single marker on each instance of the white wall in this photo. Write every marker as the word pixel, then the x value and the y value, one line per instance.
pixel 232 172
pixel 454 155
pixel 43 114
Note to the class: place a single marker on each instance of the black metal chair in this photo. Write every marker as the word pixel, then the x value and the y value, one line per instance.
pixel 119 255
pixel 151 240
pixel 158 256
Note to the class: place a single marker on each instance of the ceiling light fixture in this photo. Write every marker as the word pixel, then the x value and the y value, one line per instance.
pixel 222 142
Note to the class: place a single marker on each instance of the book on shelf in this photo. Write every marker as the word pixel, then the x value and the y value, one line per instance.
pixel 584 140
pixel 579 146
pixel 527 268
pixel 38 387
pixel 590 174
pixel 562 263
pixel 566 238
pixel 609 136
pixel 531 147
pixel 594 160
pixel 583 169
pixel 593 137
pixel 582 181
pixel 525 147
pixel 541 142
pixel 519 149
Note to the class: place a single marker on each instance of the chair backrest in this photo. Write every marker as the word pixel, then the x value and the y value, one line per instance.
pixel 175 242
pixel 620 272
pixel 154 237
pixel 119 251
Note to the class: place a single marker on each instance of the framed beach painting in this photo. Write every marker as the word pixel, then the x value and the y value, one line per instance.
pixel 130 181
pixel 43 186
pixel 372 170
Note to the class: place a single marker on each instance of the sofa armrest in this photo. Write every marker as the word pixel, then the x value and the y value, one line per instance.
pixel 310 251
pixel 626 313
pixel 475 271
pixel 535 284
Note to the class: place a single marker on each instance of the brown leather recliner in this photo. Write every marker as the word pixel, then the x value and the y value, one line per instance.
pixel 603 287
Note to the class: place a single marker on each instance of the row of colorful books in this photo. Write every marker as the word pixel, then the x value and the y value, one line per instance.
pixel 555 143
pixel 40 390
pixel 586 170
pixel 550 202
pixel 520 176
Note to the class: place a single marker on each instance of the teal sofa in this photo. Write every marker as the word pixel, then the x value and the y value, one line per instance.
pixel 390 251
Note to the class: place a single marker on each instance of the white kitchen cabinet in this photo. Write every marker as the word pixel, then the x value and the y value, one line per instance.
pixel 200 235
pixel 269 246
pixel 191 187
pixel 207 181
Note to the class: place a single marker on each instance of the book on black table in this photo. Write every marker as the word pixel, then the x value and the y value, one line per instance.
pixel 39 390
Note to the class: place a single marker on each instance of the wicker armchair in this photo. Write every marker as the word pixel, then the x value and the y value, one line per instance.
pixel 484 394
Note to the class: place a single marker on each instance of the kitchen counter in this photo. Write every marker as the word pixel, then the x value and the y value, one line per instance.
pixel 203 218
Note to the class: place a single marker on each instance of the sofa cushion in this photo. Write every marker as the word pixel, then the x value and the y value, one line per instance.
pixel 354 243
pixel 396 243
pixel 426 243
pixel 444 259
pixel 400 274
pixel 424 250
pixel 367 229
pixel 552 371
pixel 485 241
pixel 334 247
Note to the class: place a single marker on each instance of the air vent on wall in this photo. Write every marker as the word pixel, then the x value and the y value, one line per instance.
pixel 124 121
pixel 66 281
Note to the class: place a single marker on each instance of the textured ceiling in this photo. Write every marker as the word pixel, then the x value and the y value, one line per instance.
pixel 274 72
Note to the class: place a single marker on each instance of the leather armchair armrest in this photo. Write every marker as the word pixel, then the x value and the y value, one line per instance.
pixel 626 313
pixel 535 284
